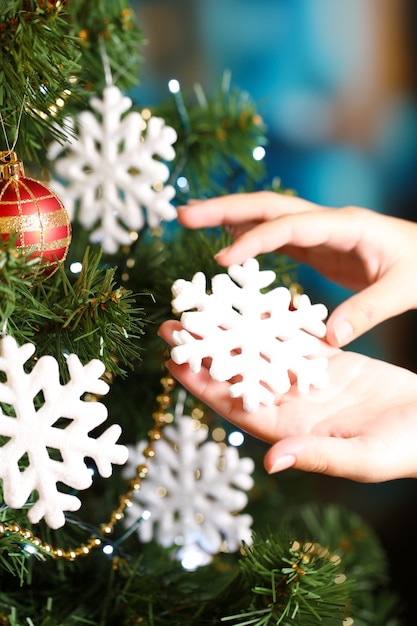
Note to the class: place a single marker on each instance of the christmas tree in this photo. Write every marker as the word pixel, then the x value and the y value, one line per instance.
pixel 124 500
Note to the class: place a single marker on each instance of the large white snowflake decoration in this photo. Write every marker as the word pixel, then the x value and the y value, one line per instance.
pixel 192 493
pixel 250 334
pixel 35 432
pixel 115 170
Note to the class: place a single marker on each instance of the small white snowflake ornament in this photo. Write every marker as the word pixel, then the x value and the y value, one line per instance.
pixel 33 432
pixel 192 493
pixel 115 170
pixel 250 334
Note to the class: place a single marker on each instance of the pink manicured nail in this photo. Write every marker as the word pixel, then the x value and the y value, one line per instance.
pixel 221 252
pixel 343 332
pixel 282 463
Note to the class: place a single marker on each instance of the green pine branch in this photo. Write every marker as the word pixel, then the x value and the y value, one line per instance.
pixel 52 56
pixel 216 139
pixel 321 566
pixel 282 579
pixel 293 582
pixel 109 35
pixel 38 60
pixel 91 315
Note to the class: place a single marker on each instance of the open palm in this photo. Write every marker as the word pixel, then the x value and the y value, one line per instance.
pixel 363 426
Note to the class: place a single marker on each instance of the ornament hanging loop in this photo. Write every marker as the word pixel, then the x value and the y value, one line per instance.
pixel 10 166
pixel 10 152
pixel 106 63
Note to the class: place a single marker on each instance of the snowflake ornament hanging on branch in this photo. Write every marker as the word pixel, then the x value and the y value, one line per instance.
pixel 250 334
pixel 115 170
pixel 55 437
pixel 192 493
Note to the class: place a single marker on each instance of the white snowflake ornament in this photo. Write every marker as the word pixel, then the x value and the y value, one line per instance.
pixel 192 493
pixel 35 432
pixel 114 170
pixel 250 334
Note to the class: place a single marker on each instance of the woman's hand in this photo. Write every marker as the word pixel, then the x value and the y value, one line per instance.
pixel 363 426
pixel 372 254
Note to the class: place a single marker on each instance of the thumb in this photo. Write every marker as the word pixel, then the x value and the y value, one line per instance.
pixel 333 456
pixel 386 298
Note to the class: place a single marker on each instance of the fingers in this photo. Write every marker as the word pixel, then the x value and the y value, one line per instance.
pixel 355 458
pixel 240 208
pixel 215 394
pixel 304 230
pixel 369 307
pixel 296 234
pixel 167 328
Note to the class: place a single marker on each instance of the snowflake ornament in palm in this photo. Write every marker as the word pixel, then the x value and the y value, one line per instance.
pixel 192 493
pixel 47 444
pixel 111 173
pixel 255 336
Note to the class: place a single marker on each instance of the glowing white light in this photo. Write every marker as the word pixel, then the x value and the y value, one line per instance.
pixel 182 182
pixel 258 153
pixel 108 549
pixel 30 549
pixel 76 267
pixel 194 559
pixel 146 514
pixel 236 438
pixel 174 86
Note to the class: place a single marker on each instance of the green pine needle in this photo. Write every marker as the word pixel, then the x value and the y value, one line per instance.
pixel 216 139
pixel 91 316
pixel 109 35
pixel 38 58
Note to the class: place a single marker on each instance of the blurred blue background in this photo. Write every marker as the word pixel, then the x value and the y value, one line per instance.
pixel 331 79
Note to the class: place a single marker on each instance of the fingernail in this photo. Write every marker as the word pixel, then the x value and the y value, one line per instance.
pixel 221 252
pixel 190 203
pixel 343 332
pixel 282 463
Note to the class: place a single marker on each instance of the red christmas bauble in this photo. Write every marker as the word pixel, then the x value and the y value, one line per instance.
pixel 33 212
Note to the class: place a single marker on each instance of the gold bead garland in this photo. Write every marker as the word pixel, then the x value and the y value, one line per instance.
pixel 160 417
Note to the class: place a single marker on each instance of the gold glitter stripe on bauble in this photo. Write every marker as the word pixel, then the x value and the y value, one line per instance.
pixel 57 244
pixel 33 199
pixel 30 223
